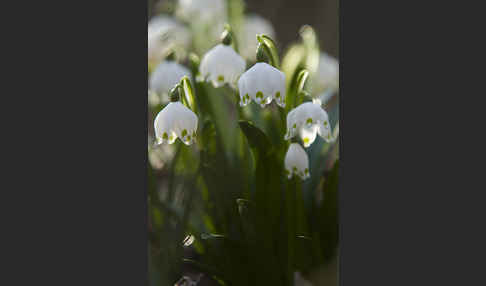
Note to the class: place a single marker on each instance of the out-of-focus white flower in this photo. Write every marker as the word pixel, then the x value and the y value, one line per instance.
pixel 326 81
pixel 165 33
pixel 175 121
pixel 307 120
pixel 262 83
pixel 166 75
pixel 206 19
pixel 296 162
pixel 222 65
pixel 201 10
pixel 253 25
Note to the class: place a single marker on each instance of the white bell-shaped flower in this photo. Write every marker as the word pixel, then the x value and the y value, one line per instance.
pixel 222 65
pixel 166 75
pixel 326 81
pixel 262 83
pixel 166 33
pixel 252 26
pixel 307 120
pixel 296 162
pixel 175 121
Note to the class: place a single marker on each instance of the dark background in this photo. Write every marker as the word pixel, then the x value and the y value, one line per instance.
pixel 287 16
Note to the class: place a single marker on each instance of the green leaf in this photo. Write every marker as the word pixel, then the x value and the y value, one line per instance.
pixel 303 253
pixel 188 97
pixel 300 93
pixel 270 48
pixel 304 55
pixel 268 200
pixel 328 214
pixel 256 138
pixel 246 209
pixel 301 79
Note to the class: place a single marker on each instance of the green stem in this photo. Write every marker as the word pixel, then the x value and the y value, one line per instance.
pixel 171 192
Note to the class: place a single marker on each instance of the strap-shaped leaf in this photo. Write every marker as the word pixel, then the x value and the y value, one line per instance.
pixel 188 98
pixel 270 48
pixel 303 252
pixel 328 214
pixel 257 139
pixel 301 79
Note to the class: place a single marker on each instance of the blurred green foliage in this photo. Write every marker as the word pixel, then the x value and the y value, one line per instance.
pixel 251 225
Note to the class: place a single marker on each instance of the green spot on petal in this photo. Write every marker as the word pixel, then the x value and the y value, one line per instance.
pixel 306 140
pixel 184 133
pixel 220 78
pixel 309 121
pixel 325 123
pixel 306 171
pixel 164 136
pixel 277 95
pixel 295 125
pixel 259 94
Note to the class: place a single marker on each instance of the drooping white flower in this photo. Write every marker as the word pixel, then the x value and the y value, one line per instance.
pixel 175 121
pixel 307 120
pixel 326 80
pixel 222 65
pixel 201 10
pixel 297 162
pixel 166 75
pixel 253 25
pixel 262 83
pixel 165 33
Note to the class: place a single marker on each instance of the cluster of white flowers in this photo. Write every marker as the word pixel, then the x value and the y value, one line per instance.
pixel 306 120
pixel 261 83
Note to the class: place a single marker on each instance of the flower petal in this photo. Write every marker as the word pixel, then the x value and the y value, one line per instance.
pixel 297 162
pixel 222 65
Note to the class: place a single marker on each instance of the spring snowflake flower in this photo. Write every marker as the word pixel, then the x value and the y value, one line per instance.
pixel 326 81
pixel 166 33
pixel 166 75
pixel 296 162
pixel 175 121
pixel 262 83
pixel 307 120
pixel 253 25
pixel 222 65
